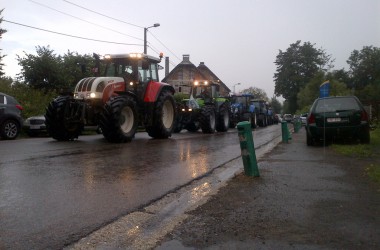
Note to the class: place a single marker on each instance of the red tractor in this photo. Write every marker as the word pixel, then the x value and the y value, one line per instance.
pixel 128 95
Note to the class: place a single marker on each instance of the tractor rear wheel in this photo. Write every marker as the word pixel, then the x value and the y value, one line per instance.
pixel 118 121
pixel 207 119
pixel 57 125
pixel 223 119
pixel 164 115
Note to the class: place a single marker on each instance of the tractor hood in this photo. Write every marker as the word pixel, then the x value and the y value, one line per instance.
pixel 95 87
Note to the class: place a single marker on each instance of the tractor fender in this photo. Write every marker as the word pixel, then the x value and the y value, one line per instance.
pixel 154 89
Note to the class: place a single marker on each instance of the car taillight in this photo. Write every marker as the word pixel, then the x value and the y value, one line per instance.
pixel 311 119
pixel 364 116
pixel 19 107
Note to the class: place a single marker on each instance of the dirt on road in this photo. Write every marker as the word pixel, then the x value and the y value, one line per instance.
pixel 305 198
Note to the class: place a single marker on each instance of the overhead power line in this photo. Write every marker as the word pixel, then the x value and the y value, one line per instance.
pixel 118 20
pixel 83 20
pixel 63 34
pixel 164 46
pixel 115 19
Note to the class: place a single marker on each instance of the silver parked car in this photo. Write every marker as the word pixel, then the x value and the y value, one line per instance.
pixel 35 125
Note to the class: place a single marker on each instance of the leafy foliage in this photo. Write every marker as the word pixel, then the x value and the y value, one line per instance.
pixel 310 92
pixel 256 92
pixel 33 101
pixel 48 71
pixel 364 66
pixel 295 68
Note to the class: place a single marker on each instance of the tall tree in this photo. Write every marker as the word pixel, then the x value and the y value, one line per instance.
pixel 256 92
pixel 364 66
pixel 48 71
pixel 310 91
pixel 2 31
pixel 41 71
pixel 276 105
pixel 295 67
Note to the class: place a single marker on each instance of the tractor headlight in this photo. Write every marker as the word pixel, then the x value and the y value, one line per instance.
pixel 92 95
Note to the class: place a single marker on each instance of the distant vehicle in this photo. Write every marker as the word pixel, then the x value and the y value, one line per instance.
pixel 10 117
pixel 242 109
pixel 205 109
pixel 337 117
pixel 288 118
pixel 35 125
pixel 303 119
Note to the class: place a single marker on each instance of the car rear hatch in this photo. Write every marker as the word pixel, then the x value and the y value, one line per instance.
pixel 338 118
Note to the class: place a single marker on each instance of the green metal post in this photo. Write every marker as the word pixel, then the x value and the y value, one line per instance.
pixel 296 126
pixel 247 147
pixel 285 131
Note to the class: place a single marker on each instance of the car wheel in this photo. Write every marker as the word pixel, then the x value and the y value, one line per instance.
pixel 9 130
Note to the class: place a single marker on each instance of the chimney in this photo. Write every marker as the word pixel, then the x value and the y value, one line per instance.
pixel 201 63
pixel 186 58
pixel 166 66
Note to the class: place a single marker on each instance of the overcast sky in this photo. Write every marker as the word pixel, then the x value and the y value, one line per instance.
pixel 238 40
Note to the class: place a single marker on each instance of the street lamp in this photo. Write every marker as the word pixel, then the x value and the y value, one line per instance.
pixel 235 85
pixel 145 31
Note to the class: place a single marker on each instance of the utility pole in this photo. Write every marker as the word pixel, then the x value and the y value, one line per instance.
pixel 145 40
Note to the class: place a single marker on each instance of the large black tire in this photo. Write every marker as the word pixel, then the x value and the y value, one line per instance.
pixel 178 126
pixel 223 118
pixel 118 121
pixel 56 124
pixel 164 116
pixel 9 129
pixel 207 119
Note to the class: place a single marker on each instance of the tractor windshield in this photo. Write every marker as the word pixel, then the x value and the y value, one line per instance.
pixel 132 70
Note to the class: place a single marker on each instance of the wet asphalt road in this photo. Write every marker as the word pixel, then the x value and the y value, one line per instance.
pixel 54 193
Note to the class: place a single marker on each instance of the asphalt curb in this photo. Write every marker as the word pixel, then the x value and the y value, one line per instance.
pixel 143 229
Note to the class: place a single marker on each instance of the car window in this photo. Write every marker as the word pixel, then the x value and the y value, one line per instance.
pixel 336 104
pixel 2 99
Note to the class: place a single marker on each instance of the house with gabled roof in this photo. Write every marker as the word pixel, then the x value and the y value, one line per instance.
pixel 185 73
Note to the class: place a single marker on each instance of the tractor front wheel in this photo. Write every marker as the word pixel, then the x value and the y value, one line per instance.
pixel 207 119
pixel 57 122
pixel 118 121
pixel 164 116
pixel 223 119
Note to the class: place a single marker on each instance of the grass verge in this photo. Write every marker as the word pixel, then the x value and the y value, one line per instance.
pixel 371 151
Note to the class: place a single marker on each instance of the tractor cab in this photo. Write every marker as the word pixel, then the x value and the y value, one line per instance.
pixel 133 67
pixel 205 91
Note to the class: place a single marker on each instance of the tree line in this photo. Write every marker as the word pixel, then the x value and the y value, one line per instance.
pixel 302 68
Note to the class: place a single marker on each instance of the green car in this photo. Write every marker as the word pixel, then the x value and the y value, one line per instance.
pixel 340 117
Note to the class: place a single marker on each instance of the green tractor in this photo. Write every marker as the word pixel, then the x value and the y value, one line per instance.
pixel 205 110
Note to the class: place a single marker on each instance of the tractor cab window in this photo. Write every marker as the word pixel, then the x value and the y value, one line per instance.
pixel 148 71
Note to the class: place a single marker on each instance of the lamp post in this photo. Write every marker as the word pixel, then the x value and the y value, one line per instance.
pixel 145 31
pixel 235 85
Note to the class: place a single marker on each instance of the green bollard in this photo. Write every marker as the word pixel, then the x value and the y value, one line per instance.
pixel 285 131
pixel 296 126
pixel 247 149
